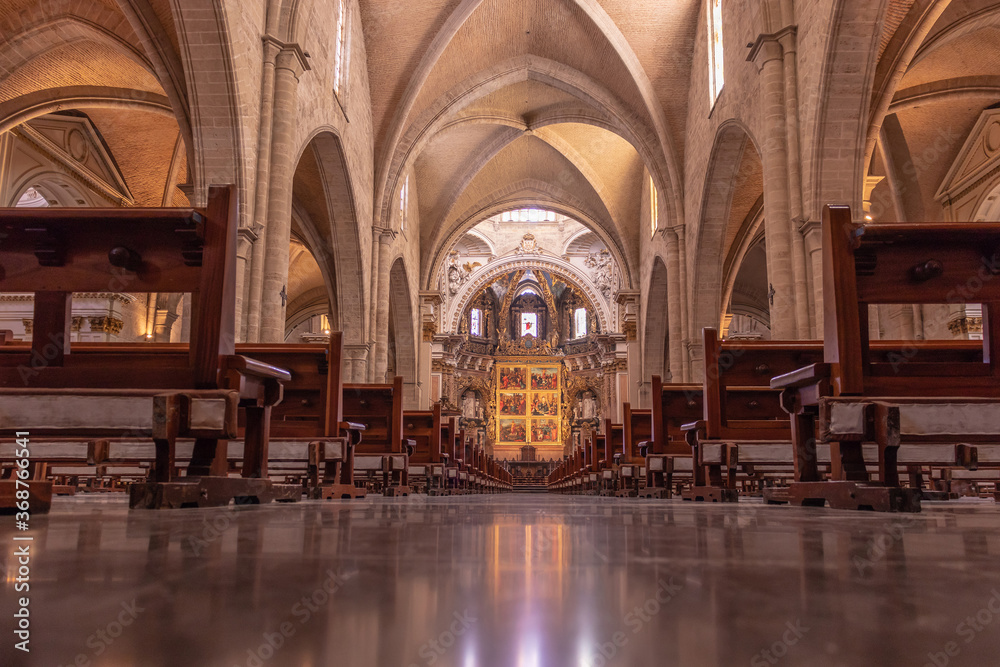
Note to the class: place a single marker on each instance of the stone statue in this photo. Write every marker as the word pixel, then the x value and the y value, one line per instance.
pixel 588 406
pixel 470 405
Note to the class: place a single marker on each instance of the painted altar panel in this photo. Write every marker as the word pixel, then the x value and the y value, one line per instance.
pixel 529 403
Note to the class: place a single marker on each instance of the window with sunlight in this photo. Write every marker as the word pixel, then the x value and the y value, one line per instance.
pixel 654 207
pixel 476 322
pixel 340 47
pixel 404 201
pixel 715 52
pixel 580 322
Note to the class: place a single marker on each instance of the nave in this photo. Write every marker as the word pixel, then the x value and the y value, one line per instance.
pixel 519 580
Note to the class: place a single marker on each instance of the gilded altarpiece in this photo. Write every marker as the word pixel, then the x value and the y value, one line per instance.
pixel 529 407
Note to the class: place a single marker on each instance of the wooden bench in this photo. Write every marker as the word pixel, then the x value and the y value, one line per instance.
pixel 637 428
pixel 606 444
pixel 666 452
pixel 946 409
pixel 311 418
pixel 47 391
pixel 426 465
pixel 741 413
pixel 381 457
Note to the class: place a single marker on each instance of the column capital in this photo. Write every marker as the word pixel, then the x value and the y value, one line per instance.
pixel 788 38
pixel 272 47
pixel 385 236
pixel 357 352
pixel 764 50
pixel 808 227
pixel 292 58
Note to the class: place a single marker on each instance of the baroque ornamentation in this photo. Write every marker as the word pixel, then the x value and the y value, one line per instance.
pixel 105 324
pixel 601 271
pixel 966 325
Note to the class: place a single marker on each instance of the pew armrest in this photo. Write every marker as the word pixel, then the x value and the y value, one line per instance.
pixel 803 377
pixel 256 381
pixel 258 369
pixel 693 430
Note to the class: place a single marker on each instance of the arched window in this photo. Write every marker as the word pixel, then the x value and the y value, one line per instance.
pixel 476 322
pixel 654 207
pixel 340 47
pixel 580 323
pixel 715 59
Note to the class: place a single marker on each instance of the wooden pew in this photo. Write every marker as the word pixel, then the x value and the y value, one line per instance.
pixel 854 399
pixel 608 443
pixel 195 393
pixel 673 406
pixel 741 412
pixel 310 421
pixel 637 428
pixel 426 465
pixel 382 454
pixel 299 445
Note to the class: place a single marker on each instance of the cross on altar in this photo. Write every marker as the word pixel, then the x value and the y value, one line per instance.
pixel 284 296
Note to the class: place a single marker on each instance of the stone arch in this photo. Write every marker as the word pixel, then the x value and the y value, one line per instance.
pixel 24 108
pixel 336 242
pixel 834 170
pixel 554 265
pixel 527 194
pixel 216 150
pixel 657 334
pixel 706 262
pixel 402 323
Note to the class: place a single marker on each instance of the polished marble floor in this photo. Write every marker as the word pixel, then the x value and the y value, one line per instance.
pixel 510 581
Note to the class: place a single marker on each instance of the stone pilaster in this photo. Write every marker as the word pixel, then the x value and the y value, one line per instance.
pixel 813 237
pixel 675 318
pixel 245 240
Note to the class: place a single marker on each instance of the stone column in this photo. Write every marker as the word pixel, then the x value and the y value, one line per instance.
pixel 675 320
pixel 430 324
pixel 767 54
pixel 684 305
pixel 788 40
pixel 289 66
pixel 373 301
pixel 356 363
pixel 382 307
pixel 250 320
pixel 628 308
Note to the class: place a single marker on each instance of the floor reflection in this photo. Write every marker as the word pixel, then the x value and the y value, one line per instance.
pixel 519 581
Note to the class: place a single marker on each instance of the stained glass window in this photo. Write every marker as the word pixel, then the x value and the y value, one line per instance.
pixel 529 324
pixel 476 322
